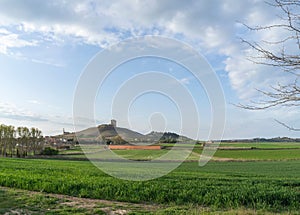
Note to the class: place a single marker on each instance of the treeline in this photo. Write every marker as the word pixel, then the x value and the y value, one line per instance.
pixel 20 141
pixel 259 139
pixel 169 137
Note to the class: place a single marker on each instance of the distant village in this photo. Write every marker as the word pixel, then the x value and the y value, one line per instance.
pixel 66 140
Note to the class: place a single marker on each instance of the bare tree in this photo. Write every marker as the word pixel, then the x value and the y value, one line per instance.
pixel 21 141
pixel 285 59
pixel 36 143
pixel 11 140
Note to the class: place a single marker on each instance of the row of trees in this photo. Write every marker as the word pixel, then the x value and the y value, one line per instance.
pixel 20 141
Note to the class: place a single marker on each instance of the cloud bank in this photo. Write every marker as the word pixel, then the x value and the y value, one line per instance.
pixel 212 27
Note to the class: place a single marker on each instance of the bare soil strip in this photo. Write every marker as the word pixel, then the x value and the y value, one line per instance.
pixel 107 206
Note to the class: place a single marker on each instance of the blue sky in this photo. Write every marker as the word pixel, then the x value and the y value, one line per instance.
pixel 45 46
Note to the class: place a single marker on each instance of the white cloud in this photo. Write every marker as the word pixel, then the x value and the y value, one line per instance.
pixel 12 114
pixel 210 26
pixel 185 81
pixel 3 31
pixel 34 102
pixel 249 124
pixel 9 40
pixel 11 111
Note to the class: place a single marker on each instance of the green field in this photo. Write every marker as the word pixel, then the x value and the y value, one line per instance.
pixel 242 178
pixel 287 154
pixel 263 145
pixel 15 201
pixel 237 154
pixel 270 185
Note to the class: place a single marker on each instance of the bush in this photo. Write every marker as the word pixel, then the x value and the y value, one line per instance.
pixel 49 151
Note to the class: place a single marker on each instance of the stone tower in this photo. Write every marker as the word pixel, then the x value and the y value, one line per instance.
pixel 113 123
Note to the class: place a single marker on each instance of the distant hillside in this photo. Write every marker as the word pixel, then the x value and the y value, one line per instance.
pixel 118 135
pixel 108 133
pixel 166 137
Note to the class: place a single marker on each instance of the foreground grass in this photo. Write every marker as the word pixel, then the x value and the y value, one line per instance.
pixel 272 186
pixel 15 201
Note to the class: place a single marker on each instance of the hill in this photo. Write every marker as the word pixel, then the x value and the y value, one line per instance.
pixel 117 135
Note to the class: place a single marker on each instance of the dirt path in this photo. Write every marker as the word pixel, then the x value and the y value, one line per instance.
pixel 110 207
pixel 76 203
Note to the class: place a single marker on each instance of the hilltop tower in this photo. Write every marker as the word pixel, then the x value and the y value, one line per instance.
pixel 113 123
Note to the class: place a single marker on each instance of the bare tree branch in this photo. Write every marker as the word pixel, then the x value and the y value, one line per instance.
pixel 287 126
pixel 286 60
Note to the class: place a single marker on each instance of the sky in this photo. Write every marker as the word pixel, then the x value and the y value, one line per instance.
pixel 45 47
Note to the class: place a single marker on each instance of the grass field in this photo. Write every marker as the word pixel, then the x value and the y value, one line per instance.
pixel 272 185
pixel 15 201
pixel 263 145
pixel 252 178
pixel 248 154
pixel 286 154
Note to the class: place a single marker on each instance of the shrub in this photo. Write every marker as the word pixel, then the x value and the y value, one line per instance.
pixel 49 151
